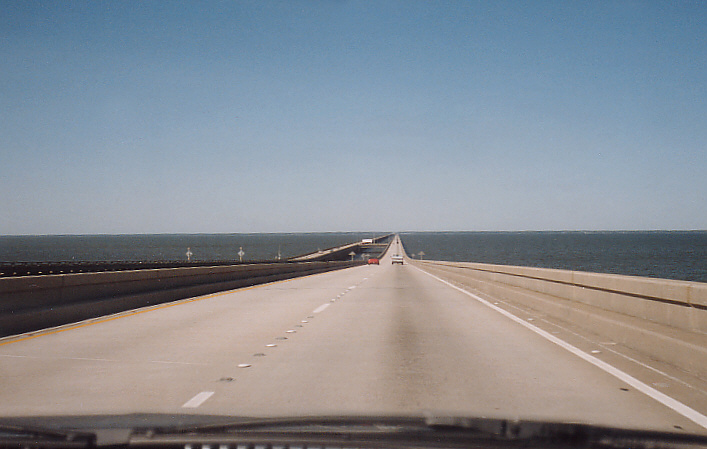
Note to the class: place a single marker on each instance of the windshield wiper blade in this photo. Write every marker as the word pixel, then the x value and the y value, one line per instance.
pixel 28 437
pixel 302 424
pixel 564 433
pixel 452 429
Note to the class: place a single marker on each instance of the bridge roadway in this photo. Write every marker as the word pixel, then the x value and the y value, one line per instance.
pixel 368 340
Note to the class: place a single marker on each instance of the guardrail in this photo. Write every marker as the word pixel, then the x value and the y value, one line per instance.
pixel 30 303
pixel 664 319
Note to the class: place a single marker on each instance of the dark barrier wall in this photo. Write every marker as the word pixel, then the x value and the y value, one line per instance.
pixel 30 303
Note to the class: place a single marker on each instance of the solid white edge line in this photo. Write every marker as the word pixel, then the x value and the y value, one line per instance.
pixel 689 413
pixel 322 307
pixel 197 400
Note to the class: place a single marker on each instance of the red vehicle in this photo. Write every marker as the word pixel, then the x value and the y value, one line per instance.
pixel 373 261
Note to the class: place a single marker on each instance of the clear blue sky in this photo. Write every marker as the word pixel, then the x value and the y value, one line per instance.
pixel 299 116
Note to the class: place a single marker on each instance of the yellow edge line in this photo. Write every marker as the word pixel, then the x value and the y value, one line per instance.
pixel 145 310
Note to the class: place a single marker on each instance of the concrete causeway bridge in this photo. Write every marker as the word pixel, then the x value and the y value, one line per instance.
pixel 373 247
pixel 322 332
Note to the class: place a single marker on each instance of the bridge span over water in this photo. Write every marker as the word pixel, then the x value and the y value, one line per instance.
pixel 463 339
pixel 364 249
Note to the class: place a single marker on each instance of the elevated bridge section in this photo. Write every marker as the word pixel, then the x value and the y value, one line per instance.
pixel 467 340
pixel 362 250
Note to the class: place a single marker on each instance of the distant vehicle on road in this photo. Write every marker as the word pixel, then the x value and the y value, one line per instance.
pixel 397 258
pixel 373 261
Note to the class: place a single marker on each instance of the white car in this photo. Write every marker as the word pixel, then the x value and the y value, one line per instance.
pixel 397 258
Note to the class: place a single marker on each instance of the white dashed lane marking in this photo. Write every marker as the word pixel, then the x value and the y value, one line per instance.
pixel 197 400
pixel 321 308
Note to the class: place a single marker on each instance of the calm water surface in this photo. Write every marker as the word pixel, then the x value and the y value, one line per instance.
pixel 168 247
pixel 664 254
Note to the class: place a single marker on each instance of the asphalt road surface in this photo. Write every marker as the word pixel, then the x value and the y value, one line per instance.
pixel 370 340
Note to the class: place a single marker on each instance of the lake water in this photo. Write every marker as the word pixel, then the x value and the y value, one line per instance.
pixel 168 247
pixel 664 254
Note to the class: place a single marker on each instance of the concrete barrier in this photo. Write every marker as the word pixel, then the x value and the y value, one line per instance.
pixel 664 319
pixel 29 303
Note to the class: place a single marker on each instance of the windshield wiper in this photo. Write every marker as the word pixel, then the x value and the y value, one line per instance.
pixel 429 431
pixel 568 434
pixel 30 437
